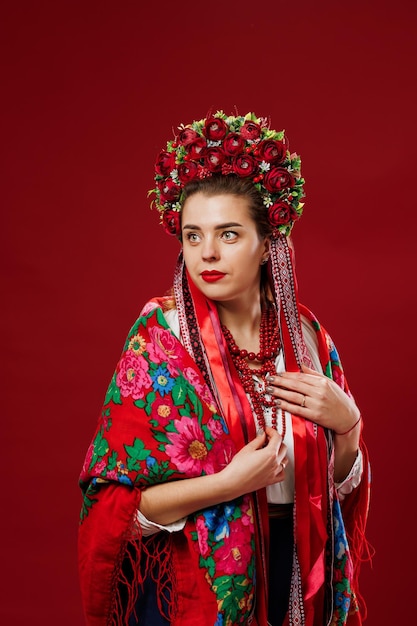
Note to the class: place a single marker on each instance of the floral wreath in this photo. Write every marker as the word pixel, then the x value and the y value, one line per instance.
pixel 225 144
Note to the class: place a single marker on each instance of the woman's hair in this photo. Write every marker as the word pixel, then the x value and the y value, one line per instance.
pixel 233 185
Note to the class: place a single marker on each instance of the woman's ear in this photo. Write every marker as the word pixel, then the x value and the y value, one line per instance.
pixel 266 253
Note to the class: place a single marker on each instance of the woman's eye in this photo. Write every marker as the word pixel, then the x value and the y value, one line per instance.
pixel 192 237
pixel 229 235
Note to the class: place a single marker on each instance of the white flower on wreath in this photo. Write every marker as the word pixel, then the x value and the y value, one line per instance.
pixel 264 166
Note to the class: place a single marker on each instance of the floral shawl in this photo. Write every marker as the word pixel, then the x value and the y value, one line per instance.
pixel 161 422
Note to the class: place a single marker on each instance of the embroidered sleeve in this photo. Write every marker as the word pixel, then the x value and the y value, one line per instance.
pixel 150 528
pixel 352 480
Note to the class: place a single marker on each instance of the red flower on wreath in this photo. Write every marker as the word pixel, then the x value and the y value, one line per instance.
pixel 281 213
pixel 233 144
pixel 215 129
pixel 169 190
pixel 196 149
pixel 278 178
pixel 245 165
pixel 213 159
pixel 251 131
pixel 271 151
pixel 187 171
pixel 187 136
pixel 165 163
pixel 171 221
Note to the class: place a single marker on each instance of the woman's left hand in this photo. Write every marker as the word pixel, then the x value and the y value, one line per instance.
pixel 315 397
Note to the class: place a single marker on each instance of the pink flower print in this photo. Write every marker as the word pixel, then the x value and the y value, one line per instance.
pixel 201 388
pixel 202 533
pixel 133 378
pixel 215 427
pixel 149 306
pixel 247 514
pixel 87 460
pixel 100 467
pixel 188 450
pixel 164 348
pixel 234 555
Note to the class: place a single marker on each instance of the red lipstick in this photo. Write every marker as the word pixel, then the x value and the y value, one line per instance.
pixel 212 276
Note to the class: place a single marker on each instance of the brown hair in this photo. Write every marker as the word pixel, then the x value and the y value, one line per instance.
pixel 233 185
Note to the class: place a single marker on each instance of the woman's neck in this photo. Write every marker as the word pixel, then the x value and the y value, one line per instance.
pixel 243 321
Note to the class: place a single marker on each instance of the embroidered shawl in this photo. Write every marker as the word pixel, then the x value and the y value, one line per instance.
pixel 173 412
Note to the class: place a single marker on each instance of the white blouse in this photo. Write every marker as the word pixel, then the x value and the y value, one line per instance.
pixel 282 492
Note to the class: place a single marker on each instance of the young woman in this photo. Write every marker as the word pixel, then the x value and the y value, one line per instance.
pixel 227 482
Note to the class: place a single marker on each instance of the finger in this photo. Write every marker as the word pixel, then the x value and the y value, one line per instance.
pixel 272 433
pixel 258 442
pixel 294 397
pixel 295 381
pixel 309 370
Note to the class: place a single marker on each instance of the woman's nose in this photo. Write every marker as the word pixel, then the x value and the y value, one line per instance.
pixel 210 250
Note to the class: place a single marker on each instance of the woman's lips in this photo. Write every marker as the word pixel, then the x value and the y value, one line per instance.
pixel 212 277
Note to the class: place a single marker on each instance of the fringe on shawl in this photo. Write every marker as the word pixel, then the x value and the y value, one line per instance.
pixel 140 559
pixel 115 562
pixel 355 509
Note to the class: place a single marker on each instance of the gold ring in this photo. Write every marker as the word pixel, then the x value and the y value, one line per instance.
pixel 303 402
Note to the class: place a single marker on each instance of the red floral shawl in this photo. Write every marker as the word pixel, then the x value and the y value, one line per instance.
pixel 161 423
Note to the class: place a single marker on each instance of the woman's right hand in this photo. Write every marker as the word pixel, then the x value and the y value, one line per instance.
pixel 257 465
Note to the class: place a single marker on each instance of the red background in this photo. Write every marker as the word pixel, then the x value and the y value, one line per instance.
pixel 91 91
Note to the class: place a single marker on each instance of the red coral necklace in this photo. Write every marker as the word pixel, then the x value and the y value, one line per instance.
pixel 269 346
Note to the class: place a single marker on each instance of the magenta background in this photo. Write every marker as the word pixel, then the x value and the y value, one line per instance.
pixel 90 92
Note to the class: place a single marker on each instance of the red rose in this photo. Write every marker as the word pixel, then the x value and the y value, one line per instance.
pixel 213 159
pixel 165 162
pixel 215 129
pixel 187 135
pixel 169 190
pixel 187 171
pixel 171 221
pixel 196 148
pixel 250 130
pixel 278 178
pixel 244 165
pixel 280 213
pixel 233 144
pixel 271 151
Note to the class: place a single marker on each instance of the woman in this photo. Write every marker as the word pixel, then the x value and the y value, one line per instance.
pixel 227 482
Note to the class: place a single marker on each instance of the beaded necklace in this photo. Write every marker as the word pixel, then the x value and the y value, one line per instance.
pixel 269 347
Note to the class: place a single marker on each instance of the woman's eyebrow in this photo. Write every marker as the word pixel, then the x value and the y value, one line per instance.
pixel 218 227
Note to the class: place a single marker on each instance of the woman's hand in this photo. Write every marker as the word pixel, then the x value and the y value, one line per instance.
pixel 315 397
pixel 258 464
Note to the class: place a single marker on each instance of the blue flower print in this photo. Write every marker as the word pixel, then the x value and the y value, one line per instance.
pixel 162 381
pixel 217 523
pixel 219 620
pixel 122 478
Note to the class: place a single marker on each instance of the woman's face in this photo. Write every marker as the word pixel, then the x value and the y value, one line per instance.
pixel 221 246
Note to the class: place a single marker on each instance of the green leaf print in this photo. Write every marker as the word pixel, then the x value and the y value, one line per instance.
pixel 136 453
pixel 101 447
pixel 179 393
pixel 113 392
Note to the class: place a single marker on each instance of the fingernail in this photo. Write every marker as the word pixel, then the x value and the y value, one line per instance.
pixel 269 378
pixel 269 389
pixel 278 402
